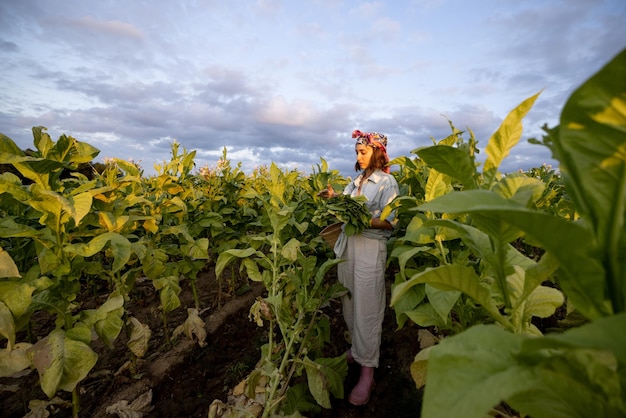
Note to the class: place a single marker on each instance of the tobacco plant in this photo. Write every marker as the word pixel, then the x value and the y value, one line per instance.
pixel 292 308
pixel 55 207
pixel 579 372
pixel 443 259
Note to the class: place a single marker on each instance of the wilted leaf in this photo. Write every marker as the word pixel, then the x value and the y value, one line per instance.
pixel 7 325
pixel 136 409
pixel 290 249
pixel 7 265
pixel 419 367
pixel 193 325
pixel 61 362
pixel 139 337
pixel 39 408
pixel 14 360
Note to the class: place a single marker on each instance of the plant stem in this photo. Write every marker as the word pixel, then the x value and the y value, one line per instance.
pixel 270 402
pixel 75 402
pixel 194 290
pixel 501 276
pixel 617 286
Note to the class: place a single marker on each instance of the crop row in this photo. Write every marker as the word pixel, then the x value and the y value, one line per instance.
pixel 479 256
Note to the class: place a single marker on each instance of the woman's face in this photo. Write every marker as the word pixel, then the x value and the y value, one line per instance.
pixel 363 155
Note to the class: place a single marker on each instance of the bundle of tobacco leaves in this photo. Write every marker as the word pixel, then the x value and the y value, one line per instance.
pixel 346 209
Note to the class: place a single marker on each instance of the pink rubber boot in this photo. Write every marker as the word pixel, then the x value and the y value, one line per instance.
pixel 361 393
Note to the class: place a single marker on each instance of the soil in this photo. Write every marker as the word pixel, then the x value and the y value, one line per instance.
pixel 185 379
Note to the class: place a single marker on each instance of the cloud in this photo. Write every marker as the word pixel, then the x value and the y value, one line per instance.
pixel 88 24
pixel 8 46
pixel 288 81
pixel 278 111
pixel 367 10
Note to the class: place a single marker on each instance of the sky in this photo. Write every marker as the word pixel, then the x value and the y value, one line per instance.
pixel 288 81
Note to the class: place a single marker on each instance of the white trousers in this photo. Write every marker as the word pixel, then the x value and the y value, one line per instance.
pixel 363 274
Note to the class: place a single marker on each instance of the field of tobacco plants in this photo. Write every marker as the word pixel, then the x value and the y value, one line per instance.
pixel 211 292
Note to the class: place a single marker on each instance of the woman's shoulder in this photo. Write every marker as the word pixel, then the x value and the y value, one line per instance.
pixel 388 177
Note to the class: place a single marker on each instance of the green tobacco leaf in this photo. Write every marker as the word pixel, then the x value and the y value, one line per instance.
pixel 169 289
pixel 437 185
pixel 80 332
pixel 252 268
pixel 17 295
pixel 119 244
pixel 61 362
pixel 8 184
pixel 106 319
pixel 540 376
pixel 153 263
pixel 228 256
pixel 42 140
pixel 69 150
pixel 35 169
pixel 110 222
pixel 298 399
pixel 406 253
pixel 407 302
pixel 442 301
pixel 451 161
pixel 84 152
pixel 417 232
pixel 128 167
pixel 577 384
pixel 453 277
pixel 538 272
pixel 325 376
pixel 425 315
pixel 198 249
pixel 601 334
pixel 504 139
pixel 570 243
pixel 81 206
pixel 520 188
pixel 579 371
pixel 541 302
pixel 475 239
pixel 8 146
pixel 325 267
pixel 484 370
pixel 591 147
pixel 50 204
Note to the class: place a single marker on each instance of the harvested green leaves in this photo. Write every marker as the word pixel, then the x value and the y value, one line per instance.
pixel 349 210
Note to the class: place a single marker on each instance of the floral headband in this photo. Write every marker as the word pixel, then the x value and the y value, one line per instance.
pixel 373 139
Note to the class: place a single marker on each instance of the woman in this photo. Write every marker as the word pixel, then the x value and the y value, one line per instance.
pixel 365 255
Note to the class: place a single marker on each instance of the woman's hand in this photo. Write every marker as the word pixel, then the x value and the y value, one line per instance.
pixel 376 223
pixel 328 192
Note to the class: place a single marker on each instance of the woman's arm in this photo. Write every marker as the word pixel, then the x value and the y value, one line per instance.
pixel 376 223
